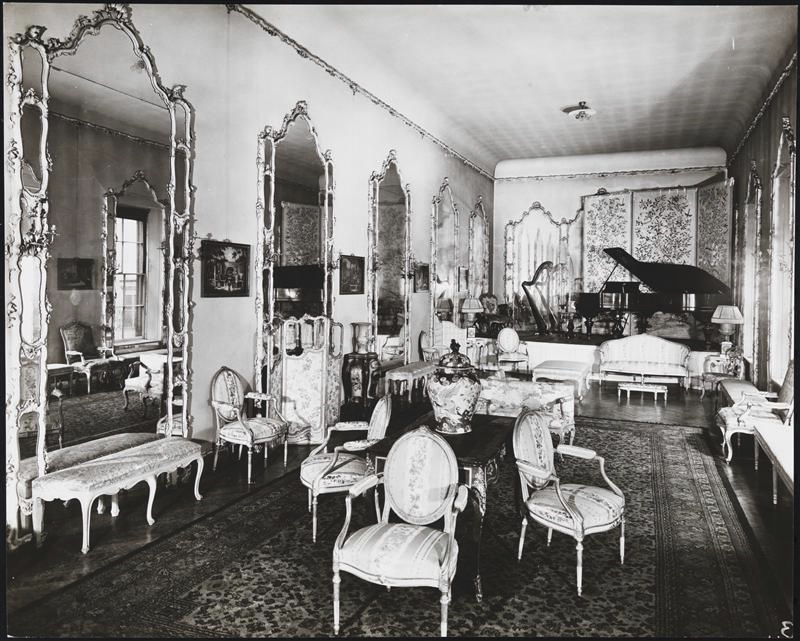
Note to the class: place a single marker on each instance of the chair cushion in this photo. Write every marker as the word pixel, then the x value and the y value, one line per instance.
pixel 511 357
pixel 264 429
pixel 349 469
pixel 399 551
pixel 597 505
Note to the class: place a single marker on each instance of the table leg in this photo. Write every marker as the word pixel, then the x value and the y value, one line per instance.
pixel 478 498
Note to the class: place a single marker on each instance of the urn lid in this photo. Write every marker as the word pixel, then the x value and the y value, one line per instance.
pixel 454 361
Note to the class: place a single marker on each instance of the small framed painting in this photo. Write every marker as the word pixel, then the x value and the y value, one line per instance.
pixel 463 278
pixel 224 269
pixel 75 273
pixel 351 274
pixel 422 277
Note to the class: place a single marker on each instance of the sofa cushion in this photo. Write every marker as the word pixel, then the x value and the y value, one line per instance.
pixel 654 368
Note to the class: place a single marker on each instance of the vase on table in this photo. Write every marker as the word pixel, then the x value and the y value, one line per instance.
pixel 454 388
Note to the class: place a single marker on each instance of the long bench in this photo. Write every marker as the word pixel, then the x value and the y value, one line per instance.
pixel 777 442
pixel 109 474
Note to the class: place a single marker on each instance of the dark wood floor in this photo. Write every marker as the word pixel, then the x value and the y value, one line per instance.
pixel 32 574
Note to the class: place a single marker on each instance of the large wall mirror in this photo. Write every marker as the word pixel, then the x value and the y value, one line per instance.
pixel 295 213
pixel 750 261
pixel 99 245
pixel 389 254
pixel 447 256
pixel 478 250
pixel 780 348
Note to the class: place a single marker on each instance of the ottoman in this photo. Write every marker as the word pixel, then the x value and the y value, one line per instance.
pixel 575 371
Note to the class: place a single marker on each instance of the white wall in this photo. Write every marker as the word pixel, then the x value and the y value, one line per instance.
pixel 239 80
pixel 558 184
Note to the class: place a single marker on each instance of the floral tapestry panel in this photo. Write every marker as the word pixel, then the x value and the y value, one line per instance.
pixel 664 226
pixel 300 234
pixel 714 230
pixel 606 223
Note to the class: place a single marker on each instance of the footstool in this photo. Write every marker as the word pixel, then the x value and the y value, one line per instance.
pixel 575 371
pixel 644 388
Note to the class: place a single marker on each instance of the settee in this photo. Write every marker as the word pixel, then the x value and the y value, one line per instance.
pixel 644 355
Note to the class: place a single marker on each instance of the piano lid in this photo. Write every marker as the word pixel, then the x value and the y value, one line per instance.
pixel 669 277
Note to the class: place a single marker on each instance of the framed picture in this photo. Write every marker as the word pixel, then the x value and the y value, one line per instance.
pixel 224 269
pixel 422 277
pixel 463 278
pixel 351 274
pixel 75 273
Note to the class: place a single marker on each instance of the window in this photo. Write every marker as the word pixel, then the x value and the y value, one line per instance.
pixel 130 282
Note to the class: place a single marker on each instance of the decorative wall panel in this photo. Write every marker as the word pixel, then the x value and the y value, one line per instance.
pixel 606 223
pixel 300 234
pixel 664 226
pixel 714 229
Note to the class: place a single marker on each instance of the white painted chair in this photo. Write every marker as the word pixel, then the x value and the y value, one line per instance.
pixel 510 350
pixel 420 479
pixel 572 508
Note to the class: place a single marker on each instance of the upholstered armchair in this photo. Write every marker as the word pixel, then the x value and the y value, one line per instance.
pixel 146 378
pixel 326 472
pixel 510 349
pixel 754 408
pixel 81 351
pixel 420 479
pixel 572 508
pixel 228 394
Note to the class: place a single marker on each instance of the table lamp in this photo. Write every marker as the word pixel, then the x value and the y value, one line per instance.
pixel 726 316
pixel 444 308
pixel 470 308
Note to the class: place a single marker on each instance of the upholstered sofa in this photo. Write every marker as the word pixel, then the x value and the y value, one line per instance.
pixel 644 355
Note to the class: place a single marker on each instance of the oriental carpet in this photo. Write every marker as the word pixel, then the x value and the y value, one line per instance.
pixel 691 568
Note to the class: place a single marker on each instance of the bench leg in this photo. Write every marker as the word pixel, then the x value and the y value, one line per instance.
pixel 86 512
pixel 755 453
pixel 101 505
pixel 774 486
pixel 115 504
pixel 38 521
pixel 285 451
pixel 151 483
pixel 200 463
pixel 250 464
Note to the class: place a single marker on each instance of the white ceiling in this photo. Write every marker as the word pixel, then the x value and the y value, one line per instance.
pixel 660 77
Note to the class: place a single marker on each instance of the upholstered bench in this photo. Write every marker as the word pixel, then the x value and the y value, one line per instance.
pixel 72 455
pixel 575 371
pixel 112 473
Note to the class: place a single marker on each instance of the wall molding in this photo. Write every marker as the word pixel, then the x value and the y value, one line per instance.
pixel 352 84
pixel 765 105
pixel 108 130
pixel 606 174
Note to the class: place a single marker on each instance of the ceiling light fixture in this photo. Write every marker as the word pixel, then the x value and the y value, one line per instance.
pixel 581 112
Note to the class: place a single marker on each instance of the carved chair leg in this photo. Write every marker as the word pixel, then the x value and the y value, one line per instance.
pixel 729 446
pixel 151 483
pixel 285 451
pixel 86 513
pixel 266 450
pixel 622 541
pixel 240 451
pixel 200 464
pixel 377 504
pixel 309 500
pixel 38 521
pixel 249 465
pixel 444 601
pixel 522 538
pixel 216 455
pixel 125 396
pixel 549 536
pixel 579 571
pixel 314 519
pixel 336 581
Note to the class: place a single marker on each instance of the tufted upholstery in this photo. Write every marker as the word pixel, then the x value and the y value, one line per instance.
pixel 644 354
pixel 596 505
pixel 348 469
pixel 399 551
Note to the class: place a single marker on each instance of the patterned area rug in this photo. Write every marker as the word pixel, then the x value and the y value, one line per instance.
pixel 251 569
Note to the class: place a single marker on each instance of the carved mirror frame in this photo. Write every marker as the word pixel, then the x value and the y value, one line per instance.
pixel 30 236
pixel 510 242
pixel 436 211
pixel 784 162
pixel 265 253
pixel 479 212
pixel 110 265
pixel 373 240
pixel 754 197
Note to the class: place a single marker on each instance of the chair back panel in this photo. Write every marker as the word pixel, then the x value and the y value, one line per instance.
pixel 507 340
pixel 534 443
pixel 227 387
pixel 420 476
pixel 379 420
pixel 78 337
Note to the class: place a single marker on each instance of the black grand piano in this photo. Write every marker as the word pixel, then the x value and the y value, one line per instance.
pixel 677 289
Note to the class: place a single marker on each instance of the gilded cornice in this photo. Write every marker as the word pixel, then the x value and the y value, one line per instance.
pixel 606 174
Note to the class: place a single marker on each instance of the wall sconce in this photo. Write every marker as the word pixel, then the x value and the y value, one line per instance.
pixel 726 316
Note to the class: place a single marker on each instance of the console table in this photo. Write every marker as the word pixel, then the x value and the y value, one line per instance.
pixel 478 454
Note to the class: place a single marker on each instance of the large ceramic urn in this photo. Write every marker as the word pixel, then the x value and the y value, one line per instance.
pixel 453 388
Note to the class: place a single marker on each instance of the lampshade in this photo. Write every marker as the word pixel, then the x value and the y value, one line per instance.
pixel 471 306
pixel 727 314
pixel 444 305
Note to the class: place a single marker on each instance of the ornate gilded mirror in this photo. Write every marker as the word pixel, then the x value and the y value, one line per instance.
pixel 294 251
pixel 389 262
pixel 446 232
pixel 780 348
pixel 750 261
pixel 87 113
pixel 478 250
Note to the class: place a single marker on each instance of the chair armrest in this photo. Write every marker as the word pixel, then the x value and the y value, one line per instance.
pixel 106 351
pixel 359 487
pixel 73 352
pixel 461 499
pixel 260 396
pixel 349 426
pixel 574 450
pixel 355 490
pixel 530 468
